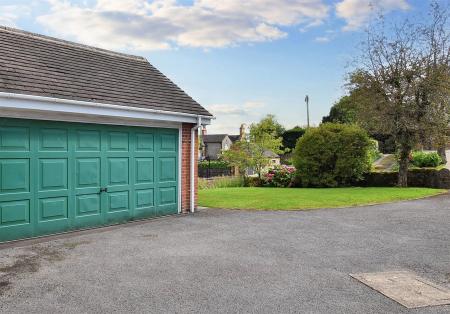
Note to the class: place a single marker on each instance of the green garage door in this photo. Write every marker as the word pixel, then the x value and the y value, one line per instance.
pixel 56 176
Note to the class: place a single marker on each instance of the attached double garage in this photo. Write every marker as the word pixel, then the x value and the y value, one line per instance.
pixel 67 163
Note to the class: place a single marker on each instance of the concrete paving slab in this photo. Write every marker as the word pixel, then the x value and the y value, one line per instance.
pixel 406 288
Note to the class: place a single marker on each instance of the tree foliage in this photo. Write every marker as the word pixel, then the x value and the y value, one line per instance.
pixel 343 111
pixel 332 155
pixel 291 136
pixel 268 126
pixel 239 156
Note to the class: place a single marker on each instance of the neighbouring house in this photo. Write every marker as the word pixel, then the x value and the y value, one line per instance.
pixel 214 144
pixel 89 137
pixel 275 159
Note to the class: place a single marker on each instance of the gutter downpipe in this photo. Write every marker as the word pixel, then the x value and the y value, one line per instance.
pixel 193 156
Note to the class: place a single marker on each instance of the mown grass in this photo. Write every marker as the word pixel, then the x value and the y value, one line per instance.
pixel 302 198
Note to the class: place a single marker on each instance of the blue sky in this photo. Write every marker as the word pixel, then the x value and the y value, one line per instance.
pixel 239 59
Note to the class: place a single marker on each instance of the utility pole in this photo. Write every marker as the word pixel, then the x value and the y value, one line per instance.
pixel 307 109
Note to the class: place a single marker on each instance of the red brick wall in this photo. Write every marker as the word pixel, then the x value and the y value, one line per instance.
pixel 185 167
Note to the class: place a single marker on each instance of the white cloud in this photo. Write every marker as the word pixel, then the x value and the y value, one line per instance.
pixel 358 12
pixel 230 117
pixel 162 24
pixel 9 14
pixel 225 109
pixel 322 39
pixel 252 105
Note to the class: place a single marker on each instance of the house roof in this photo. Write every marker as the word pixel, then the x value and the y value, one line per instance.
pixel 234 138
pixel 34 64
pixel 214 138
pixel 270 154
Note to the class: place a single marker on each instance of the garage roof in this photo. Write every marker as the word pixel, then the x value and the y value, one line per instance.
pixel 34 64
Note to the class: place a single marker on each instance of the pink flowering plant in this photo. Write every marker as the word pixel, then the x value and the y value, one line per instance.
pixel 279 176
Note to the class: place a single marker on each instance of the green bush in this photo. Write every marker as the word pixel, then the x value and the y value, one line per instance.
pixel 332 155
pixel 213 164
pixel 423 159
pixel 220 182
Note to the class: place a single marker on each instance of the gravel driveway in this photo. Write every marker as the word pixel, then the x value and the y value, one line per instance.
pixel 233 261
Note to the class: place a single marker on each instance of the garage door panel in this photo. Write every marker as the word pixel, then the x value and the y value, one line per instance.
pixel 118 141
pixel 168 143
pixel 144 169
pixel 88 205
pixel 14 139
pixel 53 174
pixel 14 175
pixel 53 208
pixel 53 140
pixel 144 142
pixel 118 171
pixel 87 211
pixel 88 140
pixel 88 172
pixel 167 199
pixel 167 169
pixel 145 198
pixel 15 220
pixel 118 201
pixel 15 213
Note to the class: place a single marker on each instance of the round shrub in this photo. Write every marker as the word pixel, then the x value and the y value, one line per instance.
pixel 332 155
pixel 423 159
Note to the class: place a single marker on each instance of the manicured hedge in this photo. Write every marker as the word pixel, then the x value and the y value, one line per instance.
pixel 430 178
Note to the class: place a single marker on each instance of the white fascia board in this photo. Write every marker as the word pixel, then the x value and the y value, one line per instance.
pixel 30 103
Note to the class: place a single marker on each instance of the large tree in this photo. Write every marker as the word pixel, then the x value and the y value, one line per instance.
pixel 403 83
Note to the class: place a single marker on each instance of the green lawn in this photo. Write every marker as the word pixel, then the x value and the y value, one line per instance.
pixel 291 198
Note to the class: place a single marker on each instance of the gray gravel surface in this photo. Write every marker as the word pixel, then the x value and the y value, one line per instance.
pixel 227 261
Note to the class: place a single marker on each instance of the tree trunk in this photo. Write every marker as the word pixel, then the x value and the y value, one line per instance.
pixel 403 168
pixel 441 152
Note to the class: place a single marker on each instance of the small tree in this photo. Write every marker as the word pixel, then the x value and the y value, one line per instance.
pixel 252 152
pixel 265 136
pixel 238 156
pixel 332 155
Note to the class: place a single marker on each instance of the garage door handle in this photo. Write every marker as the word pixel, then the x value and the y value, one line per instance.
pixel 103 190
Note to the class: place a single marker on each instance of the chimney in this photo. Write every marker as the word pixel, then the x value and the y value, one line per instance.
pixel 204 131
pixel 242 132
